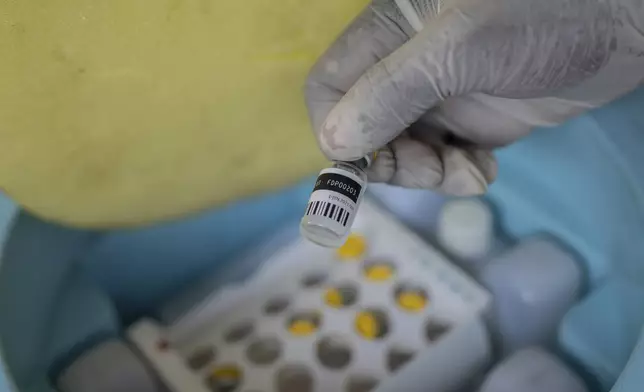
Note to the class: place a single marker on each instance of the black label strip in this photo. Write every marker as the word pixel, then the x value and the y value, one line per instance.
pixel 329 210
pixel 340 184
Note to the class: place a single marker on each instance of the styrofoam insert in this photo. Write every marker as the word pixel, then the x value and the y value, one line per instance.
pixel 312 319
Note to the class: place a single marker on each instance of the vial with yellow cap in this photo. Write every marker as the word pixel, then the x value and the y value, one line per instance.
pixel 334 202
pixel 304 324
pixel 372 324
pixel 225 378
pixel 412 300
pixel 353 248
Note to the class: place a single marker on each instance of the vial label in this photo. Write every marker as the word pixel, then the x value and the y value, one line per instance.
pixel 335 198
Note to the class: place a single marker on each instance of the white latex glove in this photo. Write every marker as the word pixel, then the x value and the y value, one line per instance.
pixel 436 85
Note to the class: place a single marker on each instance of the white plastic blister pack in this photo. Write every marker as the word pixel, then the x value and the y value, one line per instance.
pixel 385 312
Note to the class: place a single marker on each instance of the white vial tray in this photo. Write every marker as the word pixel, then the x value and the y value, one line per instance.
pixel 386 311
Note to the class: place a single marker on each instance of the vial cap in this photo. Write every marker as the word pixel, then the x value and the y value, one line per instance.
pixel 366 161
pixel 465 228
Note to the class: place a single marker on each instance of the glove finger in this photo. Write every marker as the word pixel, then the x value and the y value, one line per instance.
pixel 383 167
pixel 373 35
pixel 445 168
pixel 467 173
pixel 395 92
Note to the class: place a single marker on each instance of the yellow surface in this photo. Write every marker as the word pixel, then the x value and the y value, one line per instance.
pixel 367 325
pixel 412 301
pixel 379 272
pixel 302 327
pixel 353 248
pixel 123 112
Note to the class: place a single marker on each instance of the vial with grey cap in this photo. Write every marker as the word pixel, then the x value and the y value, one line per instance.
pixel 334 202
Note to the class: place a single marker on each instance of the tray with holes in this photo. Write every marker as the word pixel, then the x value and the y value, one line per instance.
pixel 386 311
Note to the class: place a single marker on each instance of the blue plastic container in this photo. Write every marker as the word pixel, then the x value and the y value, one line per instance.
pixel 62 290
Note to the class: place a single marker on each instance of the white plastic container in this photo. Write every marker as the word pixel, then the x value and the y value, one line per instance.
pixel 466 231
pixel 534 285
pixel 532 370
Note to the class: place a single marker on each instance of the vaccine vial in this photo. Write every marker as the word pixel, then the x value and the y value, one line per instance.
pixel 334 203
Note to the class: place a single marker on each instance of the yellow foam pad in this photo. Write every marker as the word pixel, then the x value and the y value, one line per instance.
pixel 125 112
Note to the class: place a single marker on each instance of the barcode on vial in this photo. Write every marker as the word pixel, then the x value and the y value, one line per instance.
pixel 328 210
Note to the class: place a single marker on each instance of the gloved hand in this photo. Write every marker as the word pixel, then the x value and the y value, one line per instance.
pixel 435 85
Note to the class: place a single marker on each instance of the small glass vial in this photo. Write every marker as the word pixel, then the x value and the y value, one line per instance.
pixel 334 203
